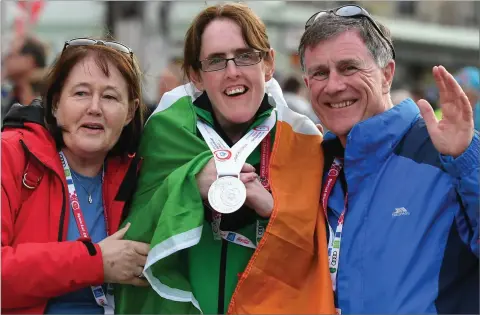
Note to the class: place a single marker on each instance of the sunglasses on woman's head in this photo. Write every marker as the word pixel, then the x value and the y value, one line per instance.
pixel 88 42
pixel 351 11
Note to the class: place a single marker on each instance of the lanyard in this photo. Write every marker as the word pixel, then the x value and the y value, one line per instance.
pixel 334 238
pixel 105 301
pixel 235 237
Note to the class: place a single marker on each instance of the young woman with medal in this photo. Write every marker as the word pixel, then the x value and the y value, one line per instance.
pixel 68 169
pixel 228 194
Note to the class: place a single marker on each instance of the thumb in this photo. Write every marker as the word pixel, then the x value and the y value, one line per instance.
pixel 427 113
pixel 247 168
pixel 120 233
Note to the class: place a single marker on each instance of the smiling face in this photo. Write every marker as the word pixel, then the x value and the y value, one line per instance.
pixel 93 109
pixel 345 84
pixel 235 92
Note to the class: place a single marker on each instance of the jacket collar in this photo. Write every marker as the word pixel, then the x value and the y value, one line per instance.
pixel 373 140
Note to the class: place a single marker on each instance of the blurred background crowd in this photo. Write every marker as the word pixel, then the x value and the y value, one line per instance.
pixel 425 33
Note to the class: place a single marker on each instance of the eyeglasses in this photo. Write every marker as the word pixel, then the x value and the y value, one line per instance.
pixel 351 11
pixel 88 42
pixel 241 60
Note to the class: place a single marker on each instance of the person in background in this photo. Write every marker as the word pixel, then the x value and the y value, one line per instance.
pixel 26 57
pixel 228 195
pixel 171 77
pixel 401 189
pixel 292 92
pixel 69 167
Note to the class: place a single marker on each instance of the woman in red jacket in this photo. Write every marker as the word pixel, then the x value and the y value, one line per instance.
pixel 68 169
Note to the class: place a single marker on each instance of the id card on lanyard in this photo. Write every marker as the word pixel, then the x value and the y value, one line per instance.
pixel 104 300
pixel 240 152
pixel 335 239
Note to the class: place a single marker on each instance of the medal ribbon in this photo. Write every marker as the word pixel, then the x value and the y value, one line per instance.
pixel 235 237
pixel 229 161
pixel 334 239
pixel 105 301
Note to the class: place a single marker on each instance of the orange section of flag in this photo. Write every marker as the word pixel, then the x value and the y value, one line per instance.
pixel 288 273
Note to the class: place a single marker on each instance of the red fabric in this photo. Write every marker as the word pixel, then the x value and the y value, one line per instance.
pixel 35 9
pixel 29 16
pixel 35 265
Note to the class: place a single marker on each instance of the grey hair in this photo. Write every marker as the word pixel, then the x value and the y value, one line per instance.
pixel 330 25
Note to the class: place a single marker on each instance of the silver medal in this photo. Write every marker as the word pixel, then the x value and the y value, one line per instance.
pixel 227 194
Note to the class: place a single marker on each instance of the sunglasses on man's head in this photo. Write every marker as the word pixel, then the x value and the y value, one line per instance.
pixel 351 11
pixel 88 42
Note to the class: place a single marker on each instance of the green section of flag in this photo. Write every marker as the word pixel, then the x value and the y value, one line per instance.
pixel 173 155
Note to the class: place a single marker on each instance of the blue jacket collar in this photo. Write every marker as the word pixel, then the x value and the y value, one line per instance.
pixel 372 140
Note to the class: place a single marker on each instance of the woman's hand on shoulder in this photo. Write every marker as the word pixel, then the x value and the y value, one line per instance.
pixel 123 260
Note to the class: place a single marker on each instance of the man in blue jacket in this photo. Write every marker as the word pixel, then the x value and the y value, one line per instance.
pixel 401 189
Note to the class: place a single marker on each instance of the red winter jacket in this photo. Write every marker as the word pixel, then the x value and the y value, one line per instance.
pixel 37 264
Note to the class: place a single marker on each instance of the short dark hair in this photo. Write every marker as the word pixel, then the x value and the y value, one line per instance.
pixel 330 25
pixel 35 49
pixel 126 65
pixel 253 30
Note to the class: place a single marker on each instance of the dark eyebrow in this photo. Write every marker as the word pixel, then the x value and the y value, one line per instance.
pixel 317 68
pixel 244 50
pixel 235 52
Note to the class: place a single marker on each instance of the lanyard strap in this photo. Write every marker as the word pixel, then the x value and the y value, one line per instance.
pixel 334 238
pixel 265 162
pixel 235 237
pixel 229 161
pixel 105 301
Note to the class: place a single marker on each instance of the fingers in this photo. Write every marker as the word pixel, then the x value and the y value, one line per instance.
pixel 139 271
pixel 439 81
pixel 141 248
pixel 427 113
pixel 466 108
pixel 120 233
pixel 247 168
pixel 248 173
pixel 248 177
pixel 139 282
pixel 449 89
pixel 451 84
pixel 452 93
